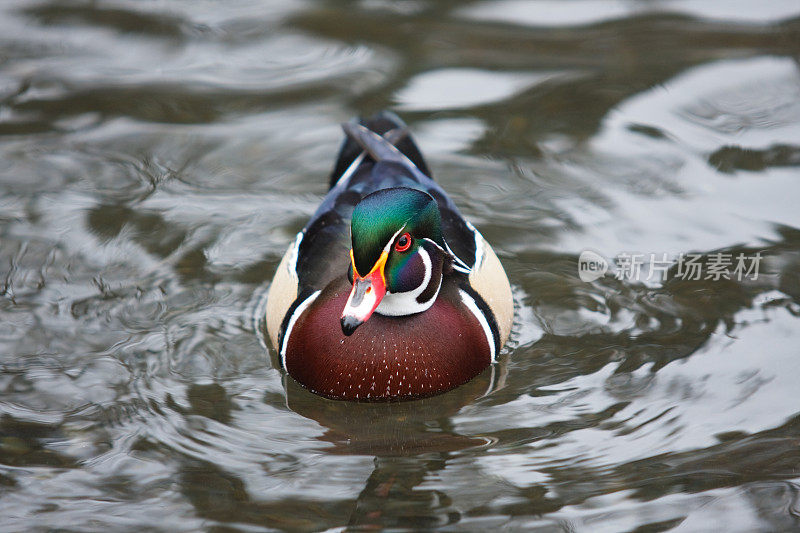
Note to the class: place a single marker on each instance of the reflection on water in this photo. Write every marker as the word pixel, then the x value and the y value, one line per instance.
pixel 156 159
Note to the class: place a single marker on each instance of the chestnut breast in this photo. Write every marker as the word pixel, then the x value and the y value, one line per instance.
pixel 386 358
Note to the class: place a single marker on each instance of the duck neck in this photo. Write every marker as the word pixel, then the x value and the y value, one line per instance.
pixel 421 298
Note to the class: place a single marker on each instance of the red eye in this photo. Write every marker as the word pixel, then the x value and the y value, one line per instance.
pixel 403 243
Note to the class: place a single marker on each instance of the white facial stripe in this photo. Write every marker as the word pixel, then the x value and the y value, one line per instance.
pixel 405 303
pixel 458 264
pixel 473 307
pixel 461 269
pixel 433 243
pixel 388 246
pixel 297 312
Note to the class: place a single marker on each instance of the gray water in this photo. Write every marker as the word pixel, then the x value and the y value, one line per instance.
pixel 156 159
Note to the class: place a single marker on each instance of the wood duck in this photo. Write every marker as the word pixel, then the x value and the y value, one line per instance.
pixel 387 293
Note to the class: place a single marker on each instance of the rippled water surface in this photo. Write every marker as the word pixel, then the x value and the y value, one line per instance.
pixel 156 159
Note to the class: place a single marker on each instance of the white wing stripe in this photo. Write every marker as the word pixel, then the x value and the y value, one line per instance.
pixel 351 169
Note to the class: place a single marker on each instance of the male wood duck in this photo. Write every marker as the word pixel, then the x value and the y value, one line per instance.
pixel 387 293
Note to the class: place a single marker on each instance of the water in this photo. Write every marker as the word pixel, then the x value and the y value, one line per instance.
pixel 157 158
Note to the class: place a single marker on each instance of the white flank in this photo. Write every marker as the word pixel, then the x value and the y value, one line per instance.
pixel 297 312
pixel 472 306
pixel 479 243
pixel 389 244
pixel 292 263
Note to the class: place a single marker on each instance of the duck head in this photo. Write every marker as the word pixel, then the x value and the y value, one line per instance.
pixel 397 258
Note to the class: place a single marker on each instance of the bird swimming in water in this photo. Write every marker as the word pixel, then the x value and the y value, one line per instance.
pixel 387 293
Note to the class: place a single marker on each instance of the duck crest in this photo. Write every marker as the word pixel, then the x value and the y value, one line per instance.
pixel 387 293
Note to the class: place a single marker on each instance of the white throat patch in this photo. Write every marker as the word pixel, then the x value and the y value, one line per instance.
pixel 405 303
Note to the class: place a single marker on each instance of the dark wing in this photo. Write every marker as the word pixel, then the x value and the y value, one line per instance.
pixel 324 248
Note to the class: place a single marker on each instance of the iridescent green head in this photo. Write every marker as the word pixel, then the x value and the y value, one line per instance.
pixel 397 256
